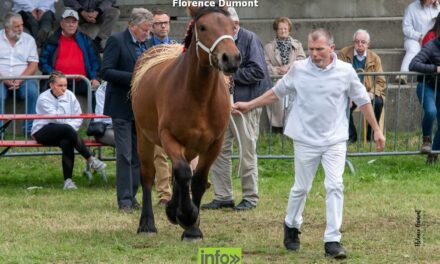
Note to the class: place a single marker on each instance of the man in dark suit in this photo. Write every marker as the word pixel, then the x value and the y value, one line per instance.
pixel 120 55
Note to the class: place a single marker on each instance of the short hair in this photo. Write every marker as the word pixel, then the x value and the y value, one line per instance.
pixel 140 15
pixel 233 14
pixel 7 19
pixel 56 75
pixel 322 32
pixel 158 12
pixel 279 20
pixel 422 2
pixel 362 31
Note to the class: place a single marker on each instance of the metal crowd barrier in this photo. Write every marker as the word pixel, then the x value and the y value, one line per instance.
pixel 14 131
pixel 401 122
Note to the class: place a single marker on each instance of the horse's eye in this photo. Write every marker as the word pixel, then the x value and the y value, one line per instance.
pixel 202 28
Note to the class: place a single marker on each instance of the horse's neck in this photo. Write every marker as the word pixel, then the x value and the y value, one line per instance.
pixel 198 74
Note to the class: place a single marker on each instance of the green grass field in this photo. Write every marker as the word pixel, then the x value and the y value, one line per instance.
pixel 49 225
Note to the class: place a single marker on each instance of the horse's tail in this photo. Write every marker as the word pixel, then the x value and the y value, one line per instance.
pixel 150 58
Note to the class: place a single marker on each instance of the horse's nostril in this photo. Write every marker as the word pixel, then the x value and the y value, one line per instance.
pixel 225 58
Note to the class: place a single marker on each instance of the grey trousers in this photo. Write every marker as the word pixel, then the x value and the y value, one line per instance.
pixel 221 170
pixel 127 162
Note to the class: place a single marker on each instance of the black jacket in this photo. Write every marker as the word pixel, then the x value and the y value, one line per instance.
pixel 118 64
pixel 426 61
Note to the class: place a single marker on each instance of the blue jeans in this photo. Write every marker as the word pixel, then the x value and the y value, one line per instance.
pixel 431 105
pixel 28 91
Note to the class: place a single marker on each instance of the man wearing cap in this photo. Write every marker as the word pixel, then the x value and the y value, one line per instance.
pixel 18 57
pixel 96 12
pixel 71 52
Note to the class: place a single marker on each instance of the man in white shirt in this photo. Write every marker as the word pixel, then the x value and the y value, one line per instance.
pixel 18 57
pixel 321 87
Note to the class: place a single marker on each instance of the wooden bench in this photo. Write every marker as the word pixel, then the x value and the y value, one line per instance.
pixel 8 144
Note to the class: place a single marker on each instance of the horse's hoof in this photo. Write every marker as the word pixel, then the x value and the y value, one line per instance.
pixel 193 234
pixel 147 231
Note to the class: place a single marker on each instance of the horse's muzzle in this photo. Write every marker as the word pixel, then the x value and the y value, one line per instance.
pixel 229 63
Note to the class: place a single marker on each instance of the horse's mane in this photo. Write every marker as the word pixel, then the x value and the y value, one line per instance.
pixel 150 58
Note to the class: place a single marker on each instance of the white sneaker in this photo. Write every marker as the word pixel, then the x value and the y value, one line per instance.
pixel 97 165
pixel 69 185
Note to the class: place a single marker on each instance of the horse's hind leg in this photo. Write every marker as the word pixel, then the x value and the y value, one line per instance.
pixel 146 157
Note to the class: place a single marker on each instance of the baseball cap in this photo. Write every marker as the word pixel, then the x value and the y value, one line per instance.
pixel 70 13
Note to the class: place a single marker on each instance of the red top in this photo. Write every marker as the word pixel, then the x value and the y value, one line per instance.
pixel 70 59
pixel 428 37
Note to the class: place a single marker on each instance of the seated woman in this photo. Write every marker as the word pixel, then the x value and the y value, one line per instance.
pixel 62 132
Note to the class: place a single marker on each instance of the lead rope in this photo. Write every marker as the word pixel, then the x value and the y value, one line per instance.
pixel 234 125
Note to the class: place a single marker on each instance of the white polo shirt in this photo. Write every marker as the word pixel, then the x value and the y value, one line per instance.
pixel 320 101
pixel 14 60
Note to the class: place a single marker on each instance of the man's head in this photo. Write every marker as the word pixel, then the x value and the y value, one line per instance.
pixel 321 47
pixel 235 18
pixel 361 41
pixel 13 24
pixel 69 22
pixel 161 24
pixel 140 23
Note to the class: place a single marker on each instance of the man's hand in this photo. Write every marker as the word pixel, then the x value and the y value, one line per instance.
pixel 243 107
pixel 89 16
pixel 95 83
pixel 371 95
pixel 379 139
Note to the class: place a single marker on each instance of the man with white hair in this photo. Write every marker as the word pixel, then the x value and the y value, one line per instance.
pixel 120 55
pixel 365 60
pixel 250 80
pixel 18 57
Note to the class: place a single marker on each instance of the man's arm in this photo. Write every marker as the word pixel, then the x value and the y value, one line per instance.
pixel 367 111
pixel 266 98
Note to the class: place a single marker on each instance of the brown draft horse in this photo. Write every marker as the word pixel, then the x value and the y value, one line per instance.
pixel 183 105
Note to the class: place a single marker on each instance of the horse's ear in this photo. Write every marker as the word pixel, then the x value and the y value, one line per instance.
pixel 192 10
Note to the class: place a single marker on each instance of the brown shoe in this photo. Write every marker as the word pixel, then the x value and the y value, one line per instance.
pixel 431 159
pixel 163 202
pixel 426 145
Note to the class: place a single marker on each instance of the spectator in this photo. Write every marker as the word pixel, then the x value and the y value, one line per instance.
pixel 38 17
pixel 318 125
pixel 109 137
pixel 418 19
pixel 427 61
pixel 62 132
pixel 97 12
pixel 18 57
pixel 120 55
pixel 364 60
pixel 71 52
pixel 433 33
pixel 251 80
pixel 161 28
pixel 280 54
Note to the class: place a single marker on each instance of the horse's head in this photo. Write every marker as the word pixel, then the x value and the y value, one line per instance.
pixel 213 31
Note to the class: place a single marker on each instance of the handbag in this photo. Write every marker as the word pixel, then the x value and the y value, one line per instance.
pixel 96 129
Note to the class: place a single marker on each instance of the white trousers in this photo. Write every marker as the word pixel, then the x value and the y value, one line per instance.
pixel 307 160
pixel 412 47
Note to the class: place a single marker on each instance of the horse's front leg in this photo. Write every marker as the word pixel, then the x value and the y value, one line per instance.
pixel 187 214
pixel 146 159
pixel 200 179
